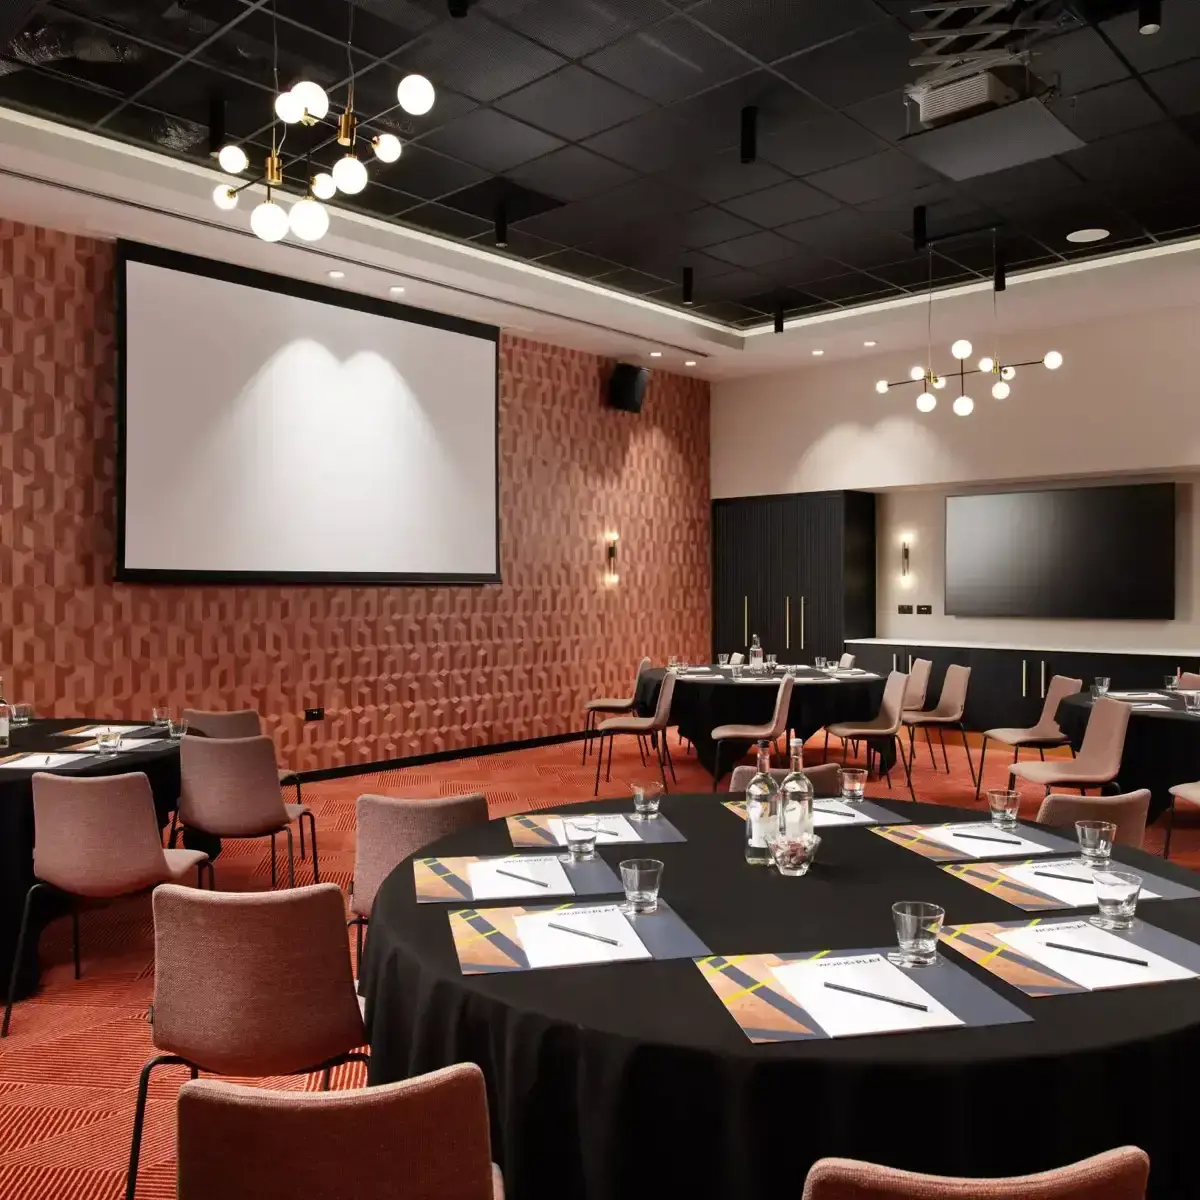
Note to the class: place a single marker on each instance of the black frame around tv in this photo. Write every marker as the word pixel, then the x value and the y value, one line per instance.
pixel 1095 553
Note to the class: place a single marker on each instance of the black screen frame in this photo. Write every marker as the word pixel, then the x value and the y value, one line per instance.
pixel 173 260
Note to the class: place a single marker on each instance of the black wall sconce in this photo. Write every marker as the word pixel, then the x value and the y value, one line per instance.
pixel 904 560
pixel 610 558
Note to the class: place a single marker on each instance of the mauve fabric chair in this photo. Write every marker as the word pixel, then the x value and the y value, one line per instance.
pixel 1127 812
pixel 918 685
pixel 1041 737
pixel 951 706
pixel 424 1138
pixel 1114 1175
pixel 228 788
pixel 1189 793
pixel 249 984
pixel 1189 681
pixel 96 839
pixel 737 659
pixel 824 778
pixel 654 727
pixel 1099 757
pixel 389 829
pixel 769 732
pixel 614 706
pixel 883 727
pixel 846 662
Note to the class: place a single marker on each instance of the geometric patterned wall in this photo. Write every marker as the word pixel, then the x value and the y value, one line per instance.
pixel 399 671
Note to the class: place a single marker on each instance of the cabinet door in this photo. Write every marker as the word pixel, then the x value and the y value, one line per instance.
pixel 819 573
pixel 880 658
pixel 747 574
pixel 1004 690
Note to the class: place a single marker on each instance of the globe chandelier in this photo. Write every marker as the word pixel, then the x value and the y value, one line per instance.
pixel 307 104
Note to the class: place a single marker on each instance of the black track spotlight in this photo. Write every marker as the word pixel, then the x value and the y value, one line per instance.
pixel 689 286
pixel 216 124
pixel 750 133
pixel 779 316
pixel 1149 16
pixel 501 222
pixel 920 228
pixel 999 268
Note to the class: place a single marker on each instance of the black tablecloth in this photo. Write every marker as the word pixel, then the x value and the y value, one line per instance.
pixel 631 1081
pixel 1162 749
pixel 699 706
pixel 161 766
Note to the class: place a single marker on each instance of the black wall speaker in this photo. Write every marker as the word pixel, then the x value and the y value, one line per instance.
pixel 627 387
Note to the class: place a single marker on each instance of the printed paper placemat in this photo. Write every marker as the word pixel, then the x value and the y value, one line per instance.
pixel 828 813
pixel 57 761
pixel 510 877
pixel 131 730
pixel 491 940
pixel 128 745
pixel 545 830
pixel 955 841
pixel 847 993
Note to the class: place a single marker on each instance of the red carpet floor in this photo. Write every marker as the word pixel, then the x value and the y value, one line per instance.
pixel 68 1071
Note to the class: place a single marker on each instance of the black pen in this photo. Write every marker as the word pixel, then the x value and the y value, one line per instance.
pixel 983 837
pixel 1134 962
pixel 1068 878
pixel 841 987
pixel 596 937
pixel 522 878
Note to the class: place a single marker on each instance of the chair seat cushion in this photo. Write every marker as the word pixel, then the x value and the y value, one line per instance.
pixel 753 732
pixel 610 704
pixel 1024 737
pixel 850 730
pixel 916 718
pixel 1187 791
pixel 626 725
pixel 180 862
pixel 287 775
pixel 1050 773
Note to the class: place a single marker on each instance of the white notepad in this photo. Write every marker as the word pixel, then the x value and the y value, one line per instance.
pixel 1136 695
pixel 546 946
pixel 44 762
pixel 1077 895
pixel 489 880
pixel 97 730
pixel 1092 973
pixel 827 813
pixel 999 843
pixel 611 831
pixel 841 1014
pixel 1144 707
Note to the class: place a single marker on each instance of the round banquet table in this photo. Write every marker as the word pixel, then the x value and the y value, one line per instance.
pixel 1162 748
pixel 630 1081
pixel 818 699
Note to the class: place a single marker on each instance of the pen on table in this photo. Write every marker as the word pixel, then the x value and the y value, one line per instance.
pixel 1136 962
pixel 841 987
pixel 837 812
pixel 522 878
pixel 985 837
pixel 1068 878
pixel 596 937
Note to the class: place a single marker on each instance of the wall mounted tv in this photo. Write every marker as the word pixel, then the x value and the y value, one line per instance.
pixel 1105 553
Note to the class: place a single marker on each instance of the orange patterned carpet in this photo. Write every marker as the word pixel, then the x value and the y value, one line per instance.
pixel 68 1071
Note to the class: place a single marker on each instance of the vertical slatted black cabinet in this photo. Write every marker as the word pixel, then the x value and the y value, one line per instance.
pixel 797 570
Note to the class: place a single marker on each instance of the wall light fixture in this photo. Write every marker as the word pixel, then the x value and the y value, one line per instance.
pixel 611 577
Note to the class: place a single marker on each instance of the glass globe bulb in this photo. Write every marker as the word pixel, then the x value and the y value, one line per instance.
pixel 1001 390
pixel 225 197
pixel 269 221
pixel 415 94
pixel 309 220
pixel 350 175
pixel 387 147
pixel 312 96
pixel 289 108
pixel 1008 374
pixel 1053 360
pixel 233 159
pixel 926 402
pixel 916 373
pixel 322 186
pixel 964 406
pixel 939 382
pixel 882 386
pixel 961 349
pixel 987 364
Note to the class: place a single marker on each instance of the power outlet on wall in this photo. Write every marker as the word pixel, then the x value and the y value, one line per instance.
pixel 924 610
pixel 314 714
pixel 905 610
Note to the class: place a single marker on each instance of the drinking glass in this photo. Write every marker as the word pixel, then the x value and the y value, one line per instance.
pixel 794 855
pixel 108 742
pixel 580 835
pixel 177 729
pixel 646 799
pixel 641 878
pixel 682 665
pixel 1117 895
pixel 1004 805
pixel 819 662
pixel 1171 683
pixel 1096 692
pixel 1102 682
pixel 161 717
pixel 672 663
pixel 722 660
pixel 1095 841
pixel 772 659
pixel 854 784
pixel 736 670
pixel 918 924
pixel 1191 701
pixel 22 714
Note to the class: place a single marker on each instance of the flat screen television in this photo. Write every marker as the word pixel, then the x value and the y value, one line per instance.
pixel 1088 553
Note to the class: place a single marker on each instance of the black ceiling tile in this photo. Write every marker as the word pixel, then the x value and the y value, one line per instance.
pixel 379 29
pixel 1177 87
pixel 779 105
pixel 727 312
pixel 707 226
pixel 1047 176
pixel 771 29
pixel 800 268
pixel 1158 156
pixel 1051 222
pixel 572 225
pixel 732 286
pixel 976 252
pixel 645 198
pixel 863 64
pixel 792 299
pixel 1113 108
pixel 947 210
pixel 579 263
pixel 851 286
pixel 723 176
pixel 671 61
pixel 782 204
pixel 574 103
pixel 491 140
pixel 375 103
pixel 576 27
pixel 1076 61
pixel 873 177
pixel 185 93
pixel 754 249
pixel 425 173
pixel 913 272
pixel 850 237
pixel 1163 216
pixel 445 220
pixel 571 173
pixel 163 131
pixel 656 141
pixel 890 116
pixel 1112 246
pixel 173 26
pixel 1179 39
pixel 634 281
pixel 520 245
pixel 376 201
pixel 817 145
pixel 483 199
pixel 41 92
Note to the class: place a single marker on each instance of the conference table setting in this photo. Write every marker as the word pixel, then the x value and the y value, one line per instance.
pixel 655 1014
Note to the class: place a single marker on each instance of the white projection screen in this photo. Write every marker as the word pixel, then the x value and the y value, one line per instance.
pixel 276 431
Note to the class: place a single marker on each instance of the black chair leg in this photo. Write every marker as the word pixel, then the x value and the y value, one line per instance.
pixel 929 743
pixel 139 1114
pixel 670 760
pixel 825 751
pixel 717 767
pixel 312 830
pixel 274 870
pixel 1016 751
pixel 608 770
pixel 660 744
pixel 291 858
pixel 942 739
pixel 1041 754
pixel 1170 829
pixel 19 955
pixel 300 822
pixel 75 937
pixel 641 749
pixel 907 771
pixel 967 747
pixel 979 777
pixel 587 727
pixel 174 830
pixel 599 760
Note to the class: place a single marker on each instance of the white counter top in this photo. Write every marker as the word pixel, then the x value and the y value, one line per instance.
pixel 1151 652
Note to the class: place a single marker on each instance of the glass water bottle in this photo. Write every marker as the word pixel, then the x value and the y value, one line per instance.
pixel 796 797
pixel 756 653
pixel 5 717
pixel 762 810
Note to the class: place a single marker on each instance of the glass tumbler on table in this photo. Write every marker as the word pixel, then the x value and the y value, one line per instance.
pixel 794 855
pixel 1004 806
pixel 722 660
pixel 772 661
pixel 1117 896
pixel 1095 842
pixel 736 670
pixel 22 714
pixel 646 799
pixel 641 878
pixel 1101 683
pixel 1171 683
pixel 108 742
pixel 854 784
pixel 177 730
pixel 819 662
pixel 1191 701
pixel 918 924
pixel 580 836
pixel 161 717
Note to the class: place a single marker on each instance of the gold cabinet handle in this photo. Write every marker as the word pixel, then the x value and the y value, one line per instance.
pixel 910 664
pixel 1024 678
pixel 787 622
pixel 894 667
pixel 801 622
pixel 1043 679
pixel 746 620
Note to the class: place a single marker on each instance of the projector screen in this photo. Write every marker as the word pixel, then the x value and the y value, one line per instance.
pixel 277 431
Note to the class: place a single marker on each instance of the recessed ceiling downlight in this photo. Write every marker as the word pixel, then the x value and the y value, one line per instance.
pixel 1083 236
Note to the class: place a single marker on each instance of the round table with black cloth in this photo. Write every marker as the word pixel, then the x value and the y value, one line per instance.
pixel 160 765
pixel 630 1081
pixel 701 705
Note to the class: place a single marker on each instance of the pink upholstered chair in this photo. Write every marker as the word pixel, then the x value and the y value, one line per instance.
pixel 613 706
pixel 882 728
pixel 824 778
pixel 1189 681
pixel 948 712
pixel 389 829
pixel 249 984
pixel 654 727
pixel 846 662
pixel 737 659
pixel 918 685
pixel 769 732
pixel 1041 737
pixel 1189 793
pixel 1127 813
pixel 229 788
pixel 1115 1175
pixel 96 838
pixel 422 1138
pixel 1099 758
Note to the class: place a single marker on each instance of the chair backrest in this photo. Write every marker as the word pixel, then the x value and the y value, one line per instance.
pixel 1114 1175
pixel 846 662
pixel 644 665
pixel 96 837
pixel 1104 738
pixel 422 1138
pixel 918 683
pixel 389 829
pixel 662 710
pixel 1189 681
pixel 1127 812
pixel 823 777
pixel 255 983
pixel 737 658
pixel 895 697
pixel 952 702
pixel 241 723
pixel 230 786
pixel 783 701
pixel 1061 686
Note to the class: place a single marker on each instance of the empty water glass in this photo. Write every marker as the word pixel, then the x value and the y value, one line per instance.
pixel 22 714
pixel 772 659
pixel 672 663
pixel 794 855
pixel 177 730
pixel 819 662
pixel 108 742
pixel 736 670
pixel 641 878
pixel 1095 841
pixel 646 799
pixel 1171 683
pixel 580 836
pixel 1004 805
pixel 1191 701
pixel 1117 895
pixel 854 784
pixel 722 660
pixel 161 717
pixel 1102 682
pixel 918 924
